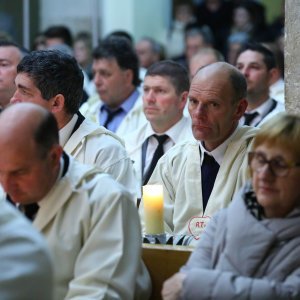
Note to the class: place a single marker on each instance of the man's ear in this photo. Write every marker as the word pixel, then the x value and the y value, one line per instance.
pixel 183 99
pixel 55 154
pixel 128 76
pixel 57 103
pixel 274 75
pixel 241 108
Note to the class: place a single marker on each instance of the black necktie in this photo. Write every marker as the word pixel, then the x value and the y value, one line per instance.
pixel 111 114
pixel 30 210
pixel 209 171
pixel 249 117
pixel 156 156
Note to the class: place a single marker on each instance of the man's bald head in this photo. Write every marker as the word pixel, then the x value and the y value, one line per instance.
pixel 30 152
pixel 216 103
pixel 27 123
pixel 225 72
pixel 204 57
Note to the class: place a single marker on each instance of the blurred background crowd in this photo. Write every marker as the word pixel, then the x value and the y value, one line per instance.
pixel 175 29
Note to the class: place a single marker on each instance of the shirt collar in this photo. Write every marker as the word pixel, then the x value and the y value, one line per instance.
pixel 219 152
pixel 127 104
pixel 66 131
pixel 173 132
pixel 263 108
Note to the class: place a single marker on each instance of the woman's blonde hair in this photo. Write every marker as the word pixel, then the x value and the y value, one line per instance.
pixel 282 130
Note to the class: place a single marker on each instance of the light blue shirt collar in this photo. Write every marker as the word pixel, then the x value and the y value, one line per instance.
pixel 126 106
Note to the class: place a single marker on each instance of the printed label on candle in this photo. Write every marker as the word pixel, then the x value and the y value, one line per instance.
pixel 153 209
pixel 197 225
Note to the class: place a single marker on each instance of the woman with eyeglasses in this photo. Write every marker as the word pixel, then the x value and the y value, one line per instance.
pixel 251 250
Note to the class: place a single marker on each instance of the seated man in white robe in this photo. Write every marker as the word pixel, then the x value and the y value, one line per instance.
pixel 200 177
pixel 165 87
pixel 88 219
pixel 54 80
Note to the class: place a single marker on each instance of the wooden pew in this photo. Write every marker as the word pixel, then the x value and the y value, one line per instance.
pixel 162 262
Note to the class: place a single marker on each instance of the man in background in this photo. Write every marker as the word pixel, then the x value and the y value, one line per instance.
pixel 196 38
pixel 257 63
pixel 59 35
pixel 204 57
pixel 10 55
pixel 148 51
pixel 165 93
pixel 116 76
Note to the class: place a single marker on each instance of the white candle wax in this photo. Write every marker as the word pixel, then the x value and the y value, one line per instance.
pixel 153 209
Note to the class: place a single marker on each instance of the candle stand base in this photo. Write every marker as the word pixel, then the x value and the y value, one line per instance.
pixel 167 239
pixel 155 238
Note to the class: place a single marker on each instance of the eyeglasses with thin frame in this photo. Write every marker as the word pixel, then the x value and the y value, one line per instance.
pixel 278 166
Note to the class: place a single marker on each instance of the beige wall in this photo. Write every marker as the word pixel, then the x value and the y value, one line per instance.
pixel 73 13
pixel 292 56
pixel 138 17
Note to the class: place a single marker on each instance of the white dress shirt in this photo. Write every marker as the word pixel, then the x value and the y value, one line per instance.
pixel 173 133
pixel 66 131
pixel 262 111
pixel 219 152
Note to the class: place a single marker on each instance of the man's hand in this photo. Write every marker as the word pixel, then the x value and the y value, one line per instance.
pixel 172 287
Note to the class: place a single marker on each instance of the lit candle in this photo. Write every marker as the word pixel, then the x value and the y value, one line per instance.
pixel 153 209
